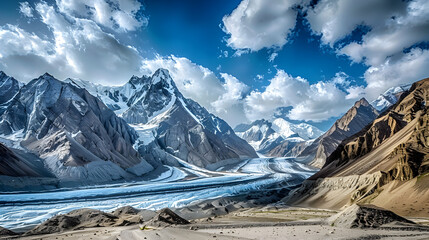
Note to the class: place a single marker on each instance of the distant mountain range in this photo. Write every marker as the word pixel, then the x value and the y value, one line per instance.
pixel 389 97
pixel 277 137
pixel 76 131
pixel 385 163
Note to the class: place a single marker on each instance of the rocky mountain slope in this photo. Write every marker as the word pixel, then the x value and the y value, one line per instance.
pixel 386 163
pixel 76 135
pixel 277 137
pixel 13 164
pixel 9 87
pixel 356 118
pixel 170 126
pixel 57 129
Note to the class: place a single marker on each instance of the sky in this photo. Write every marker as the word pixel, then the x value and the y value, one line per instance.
pixel 243 60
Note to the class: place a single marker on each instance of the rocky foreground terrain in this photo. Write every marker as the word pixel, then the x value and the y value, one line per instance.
pixel 209 220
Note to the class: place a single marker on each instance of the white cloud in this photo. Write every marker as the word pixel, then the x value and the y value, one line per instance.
pixel 394 26
pixel 355 92
pixel 254 24
pixel 410 67
pixel 272 57
pixel 341 78
pixel 230 103
pixel 79 48
pixel 115 14
pixel 16 41
pixel 26 9
pixel 392 36
pixel 201 84
pixel 335 19
pixel 315 102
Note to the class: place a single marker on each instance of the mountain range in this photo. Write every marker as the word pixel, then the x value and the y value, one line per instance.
pixel 280 138
pixel 385 163
pixel 277 137
pixel 75 131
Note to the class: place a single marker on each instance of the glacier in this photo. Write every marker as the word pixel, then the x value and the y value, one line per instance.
pixel 173 187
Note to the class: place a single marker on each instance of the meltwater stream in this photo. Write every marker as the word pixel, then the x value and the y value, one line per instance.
pixel 170 189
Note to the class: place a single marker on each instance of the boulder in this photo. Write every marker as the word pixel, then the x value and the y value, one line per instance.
pixel 365 216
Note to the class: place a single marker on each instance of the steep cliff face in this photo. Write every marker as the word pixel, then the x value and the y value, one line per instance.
pixel 14 165
pixel 9 87
pixel 393 151
pixel 181 136
pixel 356 118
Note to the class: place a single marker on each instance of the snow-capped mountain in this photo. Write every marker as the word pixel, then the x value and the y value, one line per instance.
pixel 170 126
pixel 389 97
pixel 76 135
pixel 57 132
pixel 266 135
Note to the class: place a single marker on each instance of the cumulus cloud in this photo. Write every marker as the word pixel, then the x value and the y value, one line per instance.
pixel 392 35
pixel 394 27
pixel 230 103
pixel 25 9
pixel 254 24
pixel 335 19
pixel 79 48
pixel 355 92
pixel 223 98
pixel 408 68
pixel 114 14
pixel 309 102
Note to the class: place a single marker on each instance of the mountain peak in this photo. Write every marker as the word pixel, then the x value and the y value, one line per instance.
pixel 162 79
pixel 362 102
pixel 161 75
pixel 135 80
pixel 361 109
pixel 162 71
pixel 260 122
pixel 46 77
pixel 46 74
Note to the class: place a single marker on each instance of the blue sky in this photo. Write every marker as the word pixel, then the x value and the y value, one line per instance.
pixel 325 54
pixel 192 29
